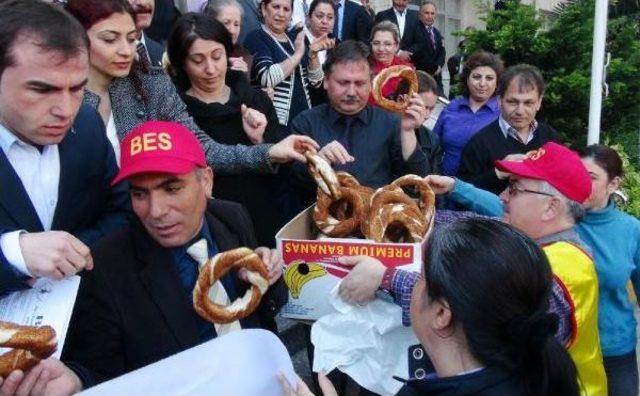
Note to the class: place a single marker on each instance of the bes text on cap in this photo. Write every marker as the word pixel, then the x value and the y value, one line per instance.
pixel 558 166
pixel 159 147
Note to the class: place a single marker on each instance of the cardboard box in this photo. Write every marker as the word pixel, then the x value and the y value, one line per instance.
pixel 312 269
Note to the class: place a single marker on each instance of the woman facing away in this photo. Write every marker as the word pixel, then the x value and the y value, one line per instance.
pixel 481 316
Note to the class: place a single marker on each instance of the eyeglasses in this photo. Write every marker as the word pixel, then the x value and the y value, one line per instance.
pixel 514 190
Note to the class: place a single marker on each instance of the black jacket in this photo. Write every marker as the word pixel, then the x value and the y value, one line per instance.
pixel 411 23
pixel 132 309
pixel 356 23
pixel 487 146
pixel 486 382
pixel 223 123
pixel 425 56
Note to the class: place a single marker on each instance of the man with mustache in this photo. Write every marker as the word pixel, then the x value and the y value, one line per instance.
pixel 148 49
pixel 374 145
pixel 515 132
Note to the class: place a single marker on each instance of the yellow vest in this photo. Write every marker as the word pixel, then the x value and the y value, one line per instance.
pixel 575 269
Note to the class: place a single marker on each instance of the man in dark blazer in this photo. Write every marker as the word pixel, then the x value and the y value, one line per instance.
pixel 352 21
pixel 427 46
pixel 136 307
pixel 56 163
pixel 406 20
pixel 162 18
pixel 250 18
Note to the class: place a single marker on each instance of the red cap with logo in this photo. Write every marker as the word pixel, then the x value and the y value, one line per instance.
pixel 555 164
pixel 159 147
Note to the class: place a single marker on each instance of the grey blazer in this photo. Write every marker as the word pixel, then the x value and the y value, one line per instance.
pixel 163 103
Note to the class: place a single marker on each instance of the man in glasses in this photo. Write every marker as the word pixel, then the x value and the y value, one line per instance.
pixel 544 200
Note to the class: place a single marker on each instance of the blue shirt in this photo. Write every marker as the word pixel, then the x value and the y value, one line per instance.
pixel 457 124
pixel 614 238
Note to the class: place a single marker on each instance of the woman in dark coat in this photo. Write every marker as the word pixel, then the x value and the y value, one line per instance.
pixel 229 109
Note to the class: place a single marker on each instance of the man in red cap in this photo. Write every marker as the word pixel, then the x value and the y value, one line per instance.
pixel 543 199
pixel 136 307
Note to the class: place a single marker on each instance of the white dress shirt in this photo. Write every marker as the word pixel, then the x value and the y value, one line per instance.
pixel 112 135
pixel 401 17
pixel 39 173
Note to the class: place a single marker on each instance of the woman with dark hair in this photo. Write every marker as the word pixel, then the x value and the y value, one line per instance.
pixel 282 62
pixel 228 109
pixel 475 109
pixel 319 23
pixel 482 317
pixel 614 238
pixel 230 13
pixel 126 94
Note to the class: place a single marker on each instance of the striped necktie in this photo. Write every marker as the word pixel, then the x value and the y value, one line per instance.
pixel 143 56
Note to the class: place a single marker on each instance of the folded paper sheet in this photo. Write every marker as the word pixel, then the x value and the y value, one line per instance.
pixel 366 342
pixel 241 363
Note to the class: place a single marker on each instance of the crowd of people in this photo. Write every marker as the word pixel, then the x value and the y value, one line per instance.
pixel 114 144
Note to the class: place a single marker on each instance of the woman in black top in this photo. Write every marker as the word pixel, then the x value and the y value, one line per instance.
pixel 228 108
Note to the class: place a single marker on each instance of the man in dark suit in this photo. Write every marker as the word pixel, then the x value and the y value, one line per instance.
pixel 145 14
pixel 405 19
pixel 250 18
pixel 427 50
pixel 136 307
pixel 352 21
pixel 55 160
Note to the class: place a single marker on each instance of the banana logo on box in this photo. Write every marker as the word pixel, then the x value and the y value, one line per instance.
pixel 299 272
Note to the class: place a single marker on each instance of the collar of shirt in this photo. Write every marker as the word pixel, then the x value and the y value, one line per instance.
pixel 463 102
pixel 364 116
pixel 181 251
pixel 400 14
pixel 568 235
pixel 7 139
pixel 508 130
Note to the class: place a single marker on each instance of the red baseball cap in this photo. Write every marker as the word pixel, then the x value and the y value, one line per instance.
pixel 555 164
pixel 159 147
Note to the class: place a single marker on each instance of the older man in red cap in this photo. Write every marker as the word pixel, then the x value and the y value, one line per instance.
pixel 136 307
pixel 544 200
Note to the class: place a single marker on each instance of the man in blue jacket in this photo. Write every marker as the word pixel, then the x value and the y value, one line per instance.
pixel 55 160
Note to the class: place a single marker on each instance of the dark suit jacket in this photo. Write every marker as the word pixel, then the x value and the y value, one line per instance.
pixel 250 19
pixel 356 22
pixel 155 50
pixel 132 310
pixel 410 24
pixel 425 57
pixel 164 16
pixel 87 206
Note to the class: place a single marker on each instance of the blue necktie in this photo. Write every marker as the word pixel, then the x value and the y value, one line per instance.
pixel 345 139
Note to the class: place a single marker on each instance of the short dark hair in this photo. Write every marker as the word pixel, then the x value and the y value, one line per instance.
pixel 186 30
pixel 606 158
pixel 315 3
pixel 346 51
pixel 263 3
pixel 426 83
pixel 50 27
pixel 499 297
pixel 527 76
pixel 90 12
pixel 479 59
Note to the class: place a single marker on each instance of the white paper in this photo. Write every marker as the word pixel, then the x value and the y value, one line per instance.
pixel 241 363
pixel 369 343
pixel 48 302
